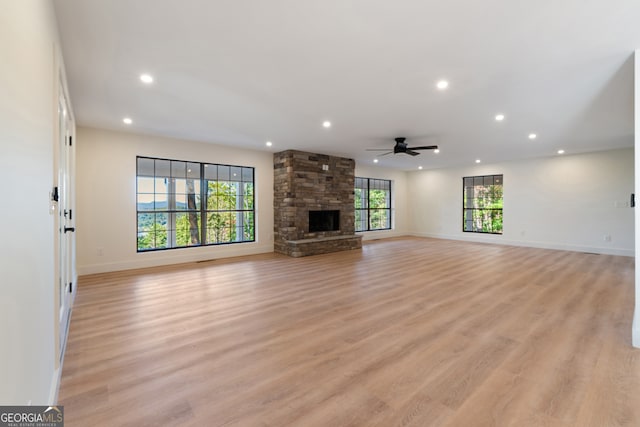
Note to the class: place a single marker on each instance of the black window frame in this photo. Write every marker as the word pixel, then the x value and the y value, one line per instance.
pixel 200 209
pixel 468 213
pixel 367 209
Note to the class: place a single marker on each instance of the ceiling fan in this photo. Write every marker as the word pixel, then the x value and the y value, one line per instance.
pixel 401 147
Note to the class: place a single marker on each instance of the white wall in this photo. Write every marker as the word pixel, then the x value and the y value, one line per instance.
pixel 399 206
pixel 636 317
pixel 28 87
pixel 106 199
pixel 563 202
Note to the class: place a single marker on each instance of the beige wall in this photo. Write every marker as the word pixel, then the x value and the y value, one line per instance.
pixel 106 198
pixel 29 85
pixel 565 202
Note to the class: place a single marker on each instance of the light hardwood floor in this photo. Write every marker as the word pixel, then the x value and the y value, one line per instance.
pixel 408 331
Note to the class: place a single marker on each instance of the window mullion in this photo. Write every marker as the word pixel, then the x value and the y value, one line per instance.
pixel 203 204
pixel 171 223
pixel 368 204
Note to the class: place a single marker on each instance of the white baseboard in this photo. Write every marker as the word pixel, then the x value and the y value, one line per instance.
pixel 155 259
pixel 499 240
pixel 380 234
pixel 55 386
pixel 57 374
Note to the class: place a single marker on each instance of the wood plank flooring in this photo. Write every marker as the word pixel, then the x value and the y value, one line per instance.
pixel 406 332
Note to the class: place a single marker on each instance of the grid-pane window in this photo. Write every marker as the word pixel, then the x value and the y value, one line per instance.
pixel 229 209
pixel 482 204
pixel 170 208
pixel 372 204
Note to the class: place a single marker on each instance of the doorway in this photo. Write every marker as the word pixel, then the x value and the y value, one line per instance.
pixel 64 195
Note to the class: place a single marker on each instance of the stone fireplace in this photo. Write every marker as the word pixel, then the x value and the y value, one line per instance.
pixel 313 204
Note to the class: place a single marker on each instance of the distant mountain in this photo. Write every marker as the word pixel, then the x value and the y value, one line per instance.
pixel 146 212
pixel 159 206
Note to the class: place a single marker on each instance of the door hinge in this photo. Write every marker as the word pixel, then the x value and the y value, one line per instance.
pixel 70 141
pixel 70 287
pixel 54 194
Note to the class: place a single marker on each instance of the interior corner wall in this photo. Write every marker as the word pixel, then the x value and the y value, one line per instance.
pixel 399 200
pixel 28 84
pixel 636 316
pixel 106 199
pixel 570 202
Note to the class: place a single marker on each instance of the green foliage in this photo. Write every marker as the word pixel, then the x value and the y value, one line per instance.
pixel 359 198
pixel 153 237
pixel 248 199
pixel 378 199
pixel 378 209
pixel 483 208
pixel 188 229
pixel 223 199
pixel 225 220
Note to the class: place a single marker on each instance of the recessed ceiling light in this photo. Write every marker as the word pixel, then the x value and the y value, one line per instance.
pixel 146 78
pixel 499 117
pixel 532 136
pixel 375 160
pixel 127 121
pixel 442 84
pixel 269 143
pixel 560 151
pixel 420 167
pixel 436 150
pixel 477 160
pixel 326 124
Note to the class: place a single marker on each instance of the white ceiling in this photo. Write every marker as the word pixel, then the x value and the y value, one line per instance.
pixel 241 72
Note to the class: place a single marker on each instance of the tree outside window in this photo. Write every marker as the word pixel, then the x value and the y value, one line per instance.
pixel 170 211
pixel 482 204
pixel 372 204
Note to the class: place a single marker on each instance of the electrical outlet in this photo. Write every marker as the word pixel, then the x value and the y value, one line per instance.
pixel 607 237
pixel 99 251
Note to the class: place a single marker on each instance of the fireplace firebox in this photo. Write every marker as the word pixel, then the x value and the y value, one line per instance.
pixel 324 221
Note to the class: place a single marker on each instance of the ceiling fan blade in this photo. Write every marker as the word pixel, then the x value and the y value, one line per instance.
pixel 384 154
pixel 424 147
pixel 412 153
pixel 377 149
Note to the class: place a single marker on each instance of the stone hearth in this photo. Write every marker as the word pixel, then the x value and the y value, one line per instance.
pixel 306 182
